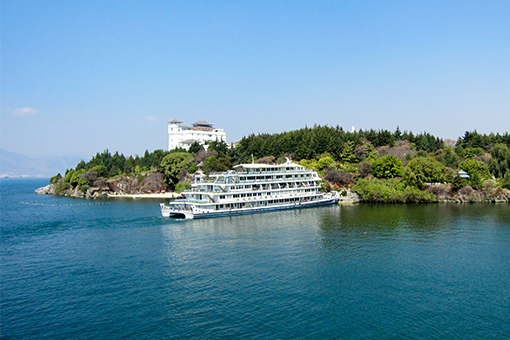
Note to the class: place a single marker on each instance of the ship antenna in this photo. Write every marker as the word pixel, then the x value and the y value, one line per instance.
pixel 252 161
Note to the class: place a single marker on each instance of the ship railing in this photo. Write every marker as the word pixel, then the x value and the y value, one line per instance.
pixel 274 180
pixel 192 200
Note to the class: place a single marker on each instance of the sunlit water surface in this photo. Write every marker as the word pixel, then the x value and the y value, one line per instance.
pixel 114 269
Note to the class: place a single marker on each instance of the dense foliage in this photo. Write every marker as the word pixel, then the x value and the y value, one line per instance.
pixel 382 166
pixel 310 143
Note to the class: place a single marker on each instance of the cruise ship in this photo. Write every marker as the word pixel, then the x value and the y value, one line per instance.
pixel 250 188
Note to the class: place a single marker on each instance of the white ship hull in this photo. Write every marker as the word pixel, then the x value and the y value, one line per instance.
pixel 196 212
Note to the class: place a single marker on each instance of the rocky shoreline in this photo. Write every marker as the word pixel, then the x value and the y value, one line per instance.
pixel 489 194
pixel 474 199
pixel 124 188
pixel 117 186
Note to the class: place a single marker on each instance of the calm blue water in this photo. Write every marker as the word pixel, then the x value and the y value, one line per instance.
pixel 84 269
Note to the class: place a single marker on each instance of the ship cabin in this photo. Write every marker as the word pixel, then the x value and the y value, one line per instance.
pixel 254 182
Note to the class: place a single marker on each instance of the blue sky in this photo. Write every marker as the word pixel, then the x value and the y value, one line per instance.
pixel 78 77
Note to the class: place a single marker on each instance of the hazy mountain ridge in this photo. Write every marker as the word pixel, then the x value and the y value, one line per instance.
pixel 16 165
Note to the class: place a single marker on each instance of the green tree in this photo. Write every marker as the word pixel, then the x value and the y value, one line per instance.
pixel 421 170
pixel 69 174
pixel 387 167
pixel 448 157
pixel 500 161
pixel 129 165
pixel 459 183
pixel 55 178
pixel 505 183
pixel 100 169
pixel 192 169
pixel 325 162
pixel 181 186
pixel 195 147
pixel 219 146
pixel 172 164
pixel 347 154
pixel 478 172
pixel 77 180
pixel 214 163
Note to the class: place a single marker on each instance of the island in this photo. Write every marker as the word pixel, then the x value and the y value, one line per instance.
pixel 365 166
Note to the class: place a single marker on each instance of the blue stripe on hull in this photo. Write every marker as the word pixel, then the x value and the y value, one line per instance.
pixel 258 210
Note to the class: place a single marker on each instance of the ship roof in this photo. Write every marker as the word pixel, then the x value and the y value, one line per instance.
pixel 175 121
pixel 274 166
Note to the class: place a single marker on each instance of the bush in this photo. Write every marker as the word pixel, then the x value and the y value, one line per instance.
pixel 214 163
pixel 421 170
pixel 365 168
pixel 478 171
pixel 459 183
pixel 489 187
pixel 340 178
pixel 466 190
pixel 387 167
pixel 505 183
pixel 61 186
pixel 181 186
pixel 390 191
pixel 55 178
pixel 172 164
pixel 192 169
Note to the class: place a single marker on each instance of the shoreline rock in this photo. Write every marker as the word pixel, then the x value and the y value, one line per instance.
pixel 47 190
pixel 115 186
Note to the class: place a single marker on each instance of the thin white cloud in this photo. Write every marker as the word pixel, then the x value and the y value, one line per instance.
pixel 25 111
pixel 151 118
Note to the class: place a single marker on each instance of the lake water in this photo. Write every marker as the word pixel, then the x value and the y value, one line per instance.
pixel 114 269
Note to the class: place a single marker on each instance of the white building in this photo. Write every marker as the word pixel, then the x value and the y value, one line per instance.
pixel 180 136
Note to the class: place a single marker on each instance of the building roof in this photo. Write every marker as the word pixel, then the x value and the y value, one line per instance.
pixel 202 123
pixel 463 174
pixel 174 121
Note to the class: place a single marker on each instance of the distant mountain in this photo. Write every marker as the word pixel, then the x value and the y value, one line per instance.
pixel 15 165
